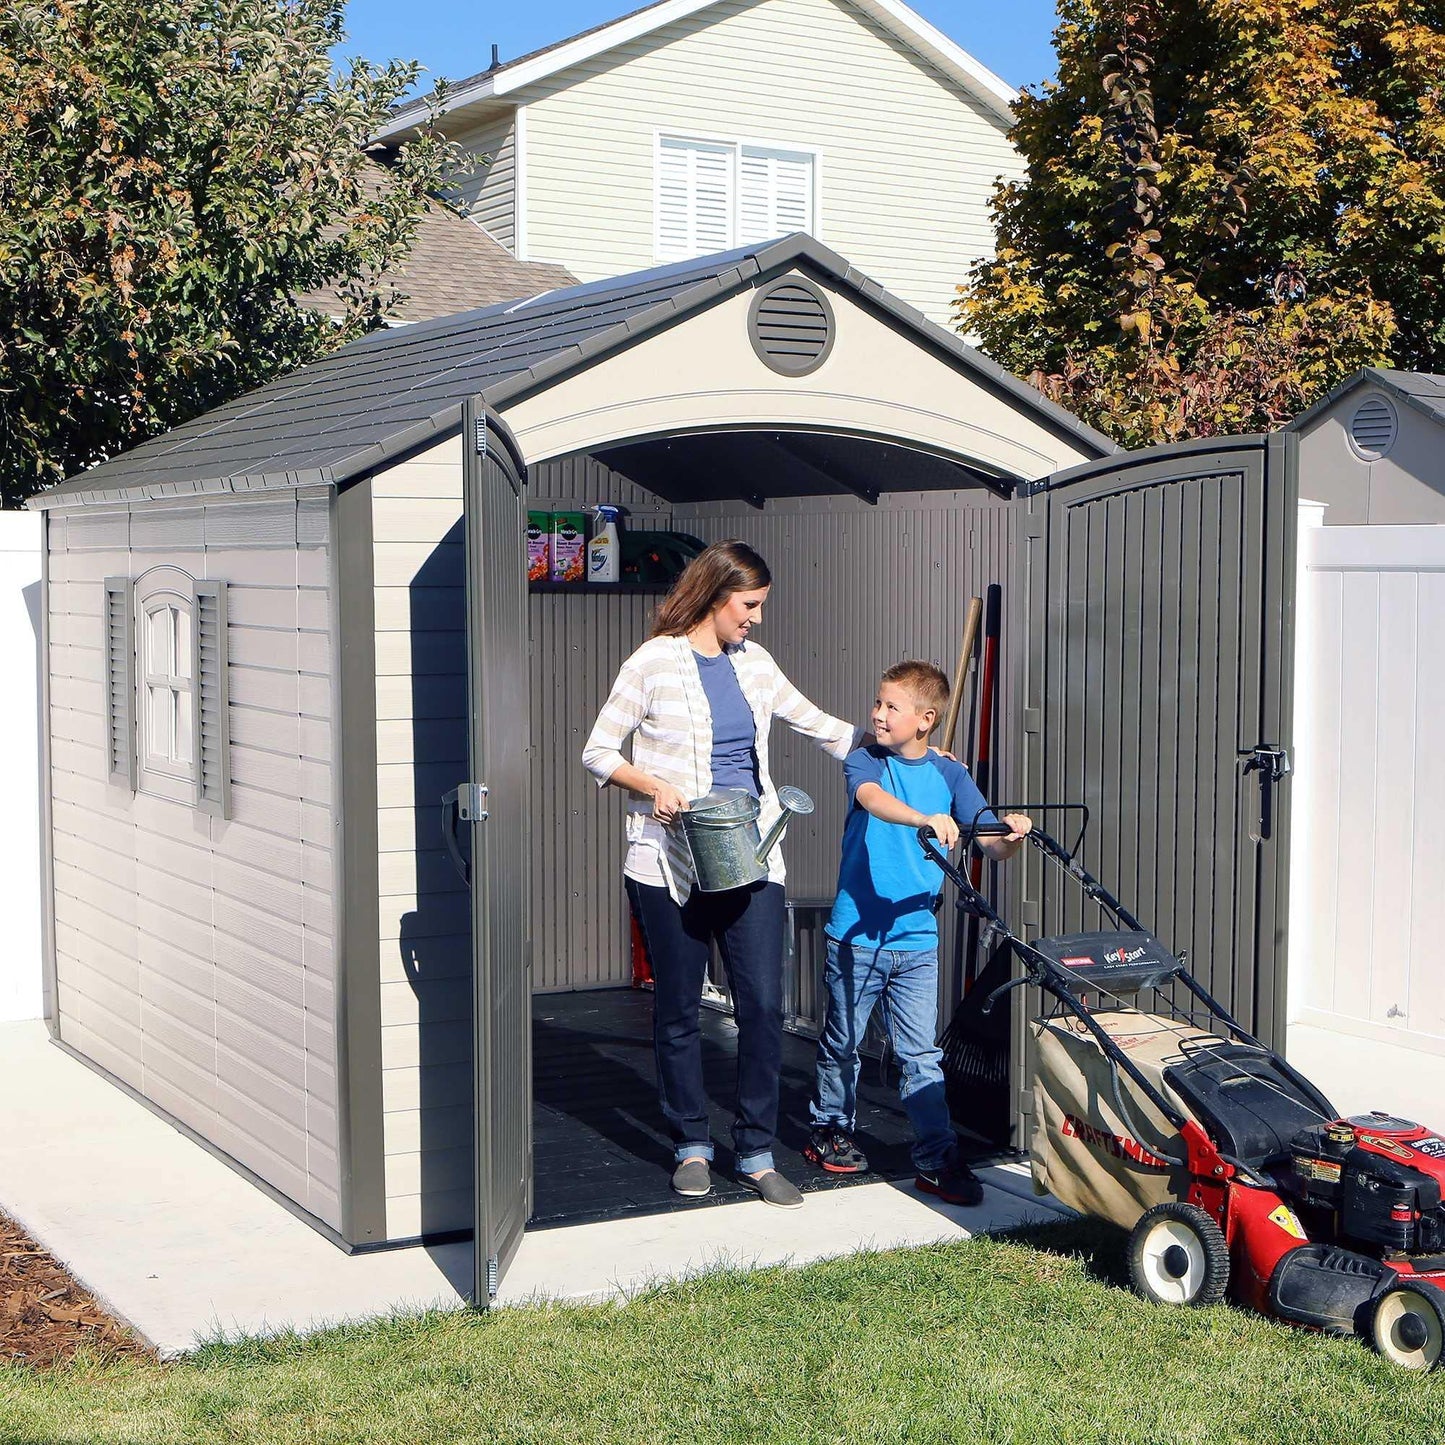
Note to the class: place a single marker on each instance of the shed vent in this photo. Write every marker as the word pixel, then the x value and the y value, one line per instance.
pixel 1372 428
pixel 791 326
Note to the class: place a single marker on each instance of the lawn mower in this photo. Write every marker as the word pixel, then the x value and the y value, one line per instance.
pixel 1233 1174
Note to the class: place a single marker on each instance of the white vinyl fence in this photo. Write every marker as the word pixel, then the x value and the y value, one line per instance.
pixel 1367 914
pixel 20 972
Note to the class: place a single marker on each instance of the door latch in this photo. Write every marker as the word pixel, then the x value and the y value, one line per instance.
pixel 1268 759
pixel 1273 766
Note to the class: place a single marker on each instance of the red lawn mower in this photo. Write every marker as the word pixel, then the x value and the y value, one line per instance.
pixel 1232 1172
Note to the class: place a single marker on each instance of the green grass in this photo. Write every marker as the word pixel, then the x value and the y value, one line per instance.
pixel 1029 1339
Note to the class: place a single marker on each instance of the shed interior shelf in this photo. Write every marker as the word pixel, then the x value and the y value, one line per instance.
pixel 582 588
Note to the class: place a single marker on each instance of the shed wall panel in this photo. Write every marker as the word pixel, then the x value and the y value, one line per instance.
pixel 194 952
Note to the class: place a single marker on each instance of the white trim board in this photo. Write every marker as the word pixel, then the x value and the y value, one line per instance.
pixel 991 91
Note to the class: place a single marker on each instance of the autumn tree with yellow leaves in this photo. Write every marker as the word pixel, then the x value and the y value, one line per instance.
pixel 1228 206
pixel 174 174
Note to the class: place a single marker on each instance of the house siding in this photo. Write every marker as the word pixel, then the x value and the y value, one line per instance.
pixel 195 957
pixel 907 163
pixel 489 196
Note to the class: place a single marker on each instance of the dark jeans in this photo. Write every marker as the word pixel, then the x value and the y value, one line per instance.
pixel 748 926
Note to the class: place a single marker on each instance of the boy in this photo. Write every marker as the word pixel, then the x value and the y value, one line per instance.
pixel 883 936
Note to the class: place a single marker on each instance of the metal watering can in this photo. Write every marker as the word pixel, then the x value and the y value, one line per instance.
pixel 721 831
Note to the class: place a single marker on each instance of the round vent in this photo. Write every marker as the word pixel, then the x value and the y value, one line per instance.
pixel 791 326
pixel 1372 428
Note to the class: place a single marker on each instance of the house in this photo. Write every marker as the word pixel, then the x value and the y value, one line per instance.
pixel 696 126
pixel 257 635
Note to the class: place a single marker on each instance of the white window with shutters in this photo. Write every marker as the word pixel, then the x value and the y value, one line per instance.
pixel 166 692
pixel 713 195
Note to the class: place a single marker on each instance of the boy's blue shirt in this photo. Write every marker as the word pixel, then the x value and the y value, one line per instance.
pixel 886 883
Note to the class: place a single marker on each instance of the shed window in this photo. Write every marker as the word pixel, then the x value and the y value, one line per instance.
pixel 712 195
pixel 168 704
pixel 166 693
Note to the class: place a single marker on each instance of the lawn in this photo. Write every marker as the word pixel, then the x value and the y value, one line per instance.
pixel 1024 1339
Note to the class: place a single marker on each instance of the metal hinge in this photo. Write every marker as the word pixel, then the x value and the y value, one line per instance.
pixel 472 802
pixel 481 436
pixel 493 1274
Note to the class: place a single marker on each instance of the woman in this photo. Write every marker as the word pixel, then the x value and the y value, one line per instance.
pixel 698 698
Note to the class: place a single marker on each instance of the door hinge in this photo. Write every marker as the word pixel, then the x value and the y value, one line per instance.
pixel 494 1270
pixel 472 802
pixel 481 436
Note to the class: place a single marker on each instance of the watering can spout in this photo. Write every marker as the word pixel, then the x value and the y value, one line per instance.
pixel 791 800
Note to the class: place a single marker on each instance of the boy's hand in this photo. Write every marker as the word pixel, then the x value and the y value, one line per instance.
pixel 1021 824
pixel 945 829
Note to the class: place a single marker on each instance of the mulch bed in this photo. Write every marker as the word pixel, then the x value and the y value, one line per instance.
pixel 45 1316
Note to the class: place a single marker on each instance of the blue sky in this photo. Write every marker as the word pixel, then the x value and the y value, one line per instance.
pixel 453 39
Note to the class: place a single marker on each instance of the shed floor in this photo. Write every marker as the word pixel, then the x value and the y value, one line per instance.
pixel 600 1147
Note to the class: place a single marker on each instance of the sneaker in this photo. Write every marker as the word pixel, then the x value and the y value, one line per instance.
pixel 954 1183
pixel 692 1178
pixel 773 1189
pixel 833 1149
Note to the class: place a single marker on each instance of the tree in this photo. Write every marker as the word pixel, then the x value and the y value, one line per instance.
pixel 1228 206
pixel 174 174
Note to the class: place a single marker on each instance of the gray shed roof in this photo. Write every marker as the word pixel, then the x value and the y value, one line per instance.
pixel 395 390
pixel 1418 389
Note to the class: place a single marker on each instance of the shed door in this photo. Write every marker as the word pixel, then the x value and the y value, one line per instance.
pixel 501 933
pixel 1159 609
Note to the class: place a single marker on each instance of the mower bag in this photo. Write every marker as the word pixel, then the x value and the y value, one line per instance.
pixel 1080 1149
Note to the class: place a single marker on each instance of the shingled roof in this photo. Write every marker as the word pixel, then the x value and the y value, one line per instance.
pixel 1421 390
pixel 454 265
pixel 399 389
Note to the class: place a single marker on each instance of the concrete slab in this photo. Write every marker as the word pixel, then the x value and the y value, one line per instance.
pixel 183 1248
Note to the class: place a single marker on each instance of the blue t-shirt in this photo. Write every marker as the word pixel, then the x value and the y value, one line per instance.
pixel 887 884
pixel 734 733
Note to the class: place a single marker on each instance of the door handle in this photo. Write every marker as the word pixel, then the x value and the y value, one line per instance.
pixel 1273 766
pixel 451 816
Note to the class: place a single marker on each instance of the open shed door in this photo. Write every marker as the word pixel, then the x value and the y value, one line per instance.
pixel 497 802
pixel 1157 684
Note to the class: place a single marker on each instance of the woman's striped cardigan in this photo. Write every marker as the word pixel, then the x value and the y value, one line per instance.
pixel 658 701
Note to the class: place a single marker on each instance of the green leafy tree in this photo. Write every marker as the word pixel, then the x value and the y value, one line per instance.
pixel 174 175
pixel 1228 206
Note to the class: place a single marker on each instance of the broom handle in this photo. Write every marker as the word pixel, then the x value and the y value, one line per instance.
pixel 983 760
pixel 960 675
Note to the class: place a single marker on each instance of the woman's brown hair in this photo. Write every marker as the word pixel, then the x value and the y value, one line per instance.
pixel 707 582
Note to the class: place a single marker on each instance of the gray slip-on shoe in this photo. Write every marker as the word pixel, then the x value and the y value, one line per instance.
pixel 773 1189
pixel 692 1178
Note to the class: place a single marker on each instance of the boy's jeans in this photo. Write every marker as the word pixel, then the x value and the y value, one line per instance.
pixel 906 985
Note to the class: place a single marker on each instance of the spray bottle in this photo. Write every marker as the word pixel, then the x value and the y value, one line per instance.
pixel 604 562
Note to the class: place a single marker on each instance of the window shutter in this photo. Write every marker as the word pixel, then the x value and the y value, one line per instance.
pixel 119 655
pixel 213 730
pixel 694 198
pixel 776 196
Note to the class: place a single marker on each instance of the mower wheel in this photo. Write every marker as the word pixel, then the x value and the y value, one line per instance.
pixel 1407 1325
pixel 1177 1256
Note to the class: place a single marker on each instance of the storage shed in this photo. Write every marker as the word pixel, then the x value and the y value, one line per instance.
pixel 258 635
